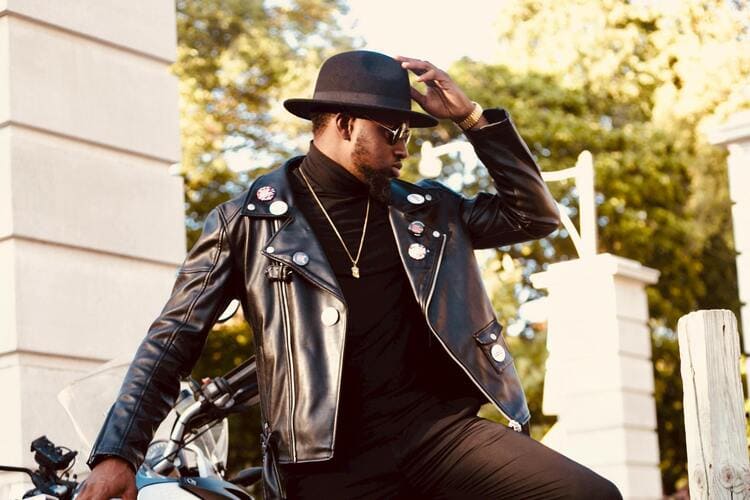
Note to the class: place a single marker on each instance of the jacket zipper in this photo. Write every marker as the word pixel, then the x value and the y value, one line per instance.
pixel 290 360
pixel 513 424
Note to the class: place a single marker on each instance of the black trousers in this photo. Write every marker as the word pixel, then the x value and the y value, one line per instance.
pixel 471 458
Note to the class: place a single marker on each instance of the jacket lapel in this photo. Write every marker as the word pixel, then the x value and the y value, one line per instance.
pixel 271 198
pixel 420 253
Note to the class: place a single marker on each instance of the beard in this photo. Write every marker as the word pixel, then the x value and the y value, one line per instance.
pixel 378 181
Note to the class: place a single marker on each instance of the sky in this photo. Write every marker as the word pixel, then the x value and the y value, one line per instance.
pixel 419 30
pixel 434 30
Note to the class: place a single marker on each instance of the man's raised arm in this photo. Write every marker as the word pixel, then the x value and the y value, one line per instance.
pixel 523 208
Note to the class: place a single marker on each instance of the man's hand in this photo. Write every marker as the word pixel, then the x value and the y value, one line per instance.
pixel 111 478
pixel 443 98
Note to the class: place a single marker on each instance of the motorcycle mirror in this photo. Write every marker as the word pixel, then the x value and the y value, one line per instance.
pixel 229 311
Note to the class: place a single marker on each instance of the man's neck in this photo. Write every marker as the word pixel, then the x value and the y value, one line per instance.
pixel 337 154
pixel 330 176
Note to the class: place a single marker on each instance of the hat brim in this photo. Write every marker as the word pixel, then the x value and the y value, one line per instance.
pixel 304 107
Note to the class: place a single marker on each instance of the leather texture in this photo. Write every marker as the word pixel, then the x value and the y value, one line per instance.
pixel 273 484
pixel 298 313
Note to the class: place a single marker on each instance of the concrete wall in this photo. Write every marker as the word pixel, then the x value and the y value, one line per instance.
pixel 91 221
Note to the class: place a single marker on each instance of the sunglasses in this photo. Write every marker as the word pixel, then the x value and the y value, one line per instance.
pixel 395 134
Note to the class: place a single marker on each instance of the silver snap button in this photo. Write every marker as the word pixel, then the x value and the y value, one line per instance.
pixel 270 249
pixel 493 336
pixel 300 258
pixel 428 197
pixel 415 199
pixel 278 208
pixel 436 234
pixel 498 353
pixel 251 207
pixel 329 316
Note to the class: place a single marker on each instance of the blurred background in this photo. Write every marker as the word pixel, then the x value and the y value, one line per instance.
pixel 637 83
pixel 640 84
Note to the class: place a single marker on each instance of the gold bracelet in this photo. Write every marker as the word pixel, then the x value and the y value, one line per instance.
pixel 473 117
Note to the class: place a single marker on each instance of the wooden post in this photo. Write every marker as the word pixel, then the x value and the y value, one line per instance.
pixel 713 404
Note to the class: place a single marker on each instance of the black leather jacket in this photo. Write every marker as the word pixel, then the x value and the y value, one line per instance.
pixel 298 312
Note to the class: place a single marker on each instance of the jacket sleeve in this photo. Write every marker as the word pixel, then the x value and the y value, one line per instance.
pixel 171 347
pixel 523 208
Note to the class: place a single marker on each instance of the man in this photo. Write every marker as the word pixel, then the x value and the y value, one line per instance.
pixel 375 340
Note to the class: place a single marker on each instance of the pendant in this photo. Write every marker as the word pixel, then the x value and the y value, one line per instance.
pixel 355 271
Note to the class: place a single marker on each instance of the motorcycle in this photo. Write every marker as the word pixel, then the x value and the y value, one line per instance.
pixel 188 463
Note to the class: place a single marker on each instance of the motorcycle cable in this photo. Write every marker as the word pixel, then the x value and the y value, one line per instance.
pixel 172 455
pixel 226 385
pixel 72 464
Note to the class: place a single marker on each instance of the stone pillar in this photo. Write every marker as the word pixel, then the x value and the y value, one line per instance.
pixel 91 221
pixel 599 380
pixel 735 135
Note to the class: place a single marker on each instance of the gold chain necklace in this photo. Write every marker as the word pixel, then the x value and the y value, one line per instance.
pixel 355 260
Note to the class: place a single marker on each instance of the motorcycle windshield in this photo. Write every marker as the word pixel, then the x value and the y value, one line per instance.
pixel 214 442
pixel 87 401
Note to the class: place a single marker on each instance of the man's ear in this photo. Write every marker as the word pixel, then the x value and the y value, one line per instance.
pixel 344 124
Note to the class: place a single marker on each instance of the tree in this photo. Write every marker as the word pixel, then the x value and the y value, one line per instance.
pixel 633 82
pixel 643 212
pixel 236 60
pixel 636 84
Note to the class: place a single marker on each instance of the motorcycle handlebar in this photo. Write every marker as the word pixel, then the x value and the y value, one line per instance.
pixel 242 376
pixel 238 386
pixel 244 384
pixel 11 468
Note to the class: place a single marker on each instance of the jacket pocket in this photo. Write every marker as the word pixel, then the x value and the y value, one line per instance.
pixel 490 340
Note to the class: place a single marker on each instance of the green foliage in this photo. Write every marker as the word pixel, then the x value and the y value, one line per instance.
pixel 670 424
pixel 237 59
pixel 634 83
pixel 627 81
pixel 502 275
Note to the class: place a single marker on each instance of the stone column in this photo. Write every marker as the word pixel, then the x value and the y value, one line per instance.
pixel 735 135
pixel 599 379
pixel 91 221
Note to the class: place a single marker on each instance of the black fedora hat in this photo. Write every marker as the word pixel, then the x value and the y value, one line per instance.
pixel 361 80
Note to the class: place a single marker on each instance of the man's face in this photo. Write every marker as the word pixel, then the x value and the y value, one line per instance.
pixel 375 158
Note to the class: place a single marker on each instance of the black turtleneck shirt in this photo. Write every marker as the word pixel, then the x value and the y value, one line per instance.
pixel 385 383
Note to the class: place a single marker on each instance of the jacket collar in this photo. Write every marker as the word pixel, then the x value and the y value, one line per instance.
pixel 405 197
pixel 269 190
pixel 421 255
pixel 408 198
pixel 271 198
